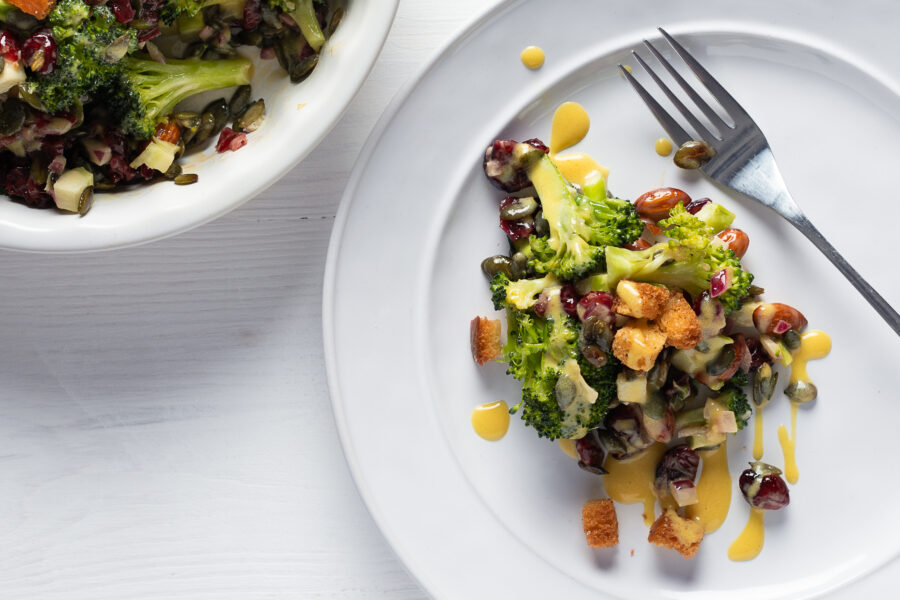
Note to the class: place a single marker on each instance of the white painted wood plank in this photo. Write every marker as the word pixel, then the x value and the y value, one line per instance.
pixel 165 427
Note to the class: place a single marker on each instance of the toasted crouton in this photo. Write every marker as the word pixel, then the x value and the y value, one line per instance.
pixel 640 300
pixel 601 527
pixel 638 343
pixel 680 323
pixel 673 531
pixel 484 335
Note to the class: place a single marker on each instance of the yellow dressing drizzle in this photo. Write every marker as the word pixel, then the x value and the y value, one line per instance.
pixel 713 490
pixel 789 447
pixel 570 124
pixel 631 480
pixel 749 544
pixel 758 433
pixel 491 420
pixel 813 344
pixel 568 446
pixel 576 167
pixel 663 146
pixel 532 57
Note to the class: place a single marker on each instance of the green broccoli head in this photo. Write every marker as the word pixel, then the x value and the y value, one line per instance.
pixel 562 394
pixel 736 401
pixel 90 46
pixel 580 226
pixel 610 221
pixel 686 228
pixel 174 9
pixel 146 91
pixel 675 265
pixel 521 294
pixel 566 257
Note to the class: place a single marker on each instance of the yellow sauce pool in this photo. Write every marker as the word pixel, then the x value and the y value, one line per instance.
pixel 491 420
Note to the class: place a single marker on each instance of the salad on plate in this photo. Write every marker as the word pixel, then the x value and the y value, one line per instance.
pixel 642 344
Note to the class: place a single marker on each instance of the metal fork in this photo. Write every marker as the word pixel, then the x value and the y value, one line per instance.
pixel 743 160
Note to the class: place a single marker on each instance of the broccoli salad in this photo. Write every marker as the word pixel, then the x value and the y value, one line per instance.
pixel 90 90
pixel 639 338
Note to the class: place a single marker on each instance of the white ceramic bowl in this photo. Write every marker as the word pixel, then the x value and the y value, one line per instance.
pixel 298 118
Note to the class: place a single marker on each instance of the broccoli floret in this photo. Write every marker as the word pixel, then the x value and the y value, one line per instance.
pixel 740 379
pixel 90 45
pixel 580 227
pixel 735 400
pixel 147 91
pixel 602 379
pixel 521 294
pixel 562 394
pixel 675 265
pixel 686 228
pixel 173 9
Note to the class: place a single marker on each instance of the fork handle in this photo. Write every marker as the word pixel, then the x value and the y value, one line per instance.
pixel 881 305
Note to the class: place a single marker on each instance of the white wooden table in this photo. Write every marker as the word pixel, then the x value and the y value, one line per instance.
pixel 165 425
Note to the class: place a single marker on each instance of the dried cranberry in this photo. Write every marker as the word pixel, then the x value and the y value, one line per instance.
pixel 698 301
pixel 146 172
pixel 763 487
pixel 39 52
pixel 506 164
pixel 569 298
pixel 149 34
pixel 694 206
pixel 9 46
pixel 596 304
pixel 758 354
pixel 150 11
pixel 115 139
pixel 626 422
pixel 231 140
pixel 22 188
pixel 538 144
pixel 540 307
pixel 122 10
pixel 120 170
pixel 591 453
pixel 515 230
pixel 252 14
pixel 677 464
pixel 54 145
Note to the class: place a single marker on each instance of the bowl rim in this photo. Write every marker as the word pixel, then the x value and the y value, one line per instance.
pixel 351 55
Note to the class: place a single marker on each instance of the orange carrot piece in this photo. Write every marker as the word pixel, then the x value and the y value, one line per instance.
pixel 36 8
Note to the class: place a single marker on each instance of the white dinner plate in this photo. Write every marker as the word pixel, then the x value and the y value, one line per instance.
pixel 298 117
pixel 476 519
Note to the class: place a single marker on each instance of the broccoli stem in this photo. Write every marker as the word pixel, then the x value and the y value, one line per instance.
pixel 305 15
pixel 162 86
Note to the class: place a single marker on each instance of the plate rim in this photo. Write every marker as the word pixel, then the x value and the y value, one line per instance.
pixel 336 239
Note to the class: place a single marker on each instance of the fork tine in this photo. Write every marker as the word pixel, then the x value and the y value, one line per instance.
pixel 730 105
pixel 685 112
pixel 678 135
pixel 712 115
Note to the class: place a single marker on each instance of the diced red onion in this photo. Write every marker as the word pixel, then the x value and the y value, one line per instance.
pixel 719 283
